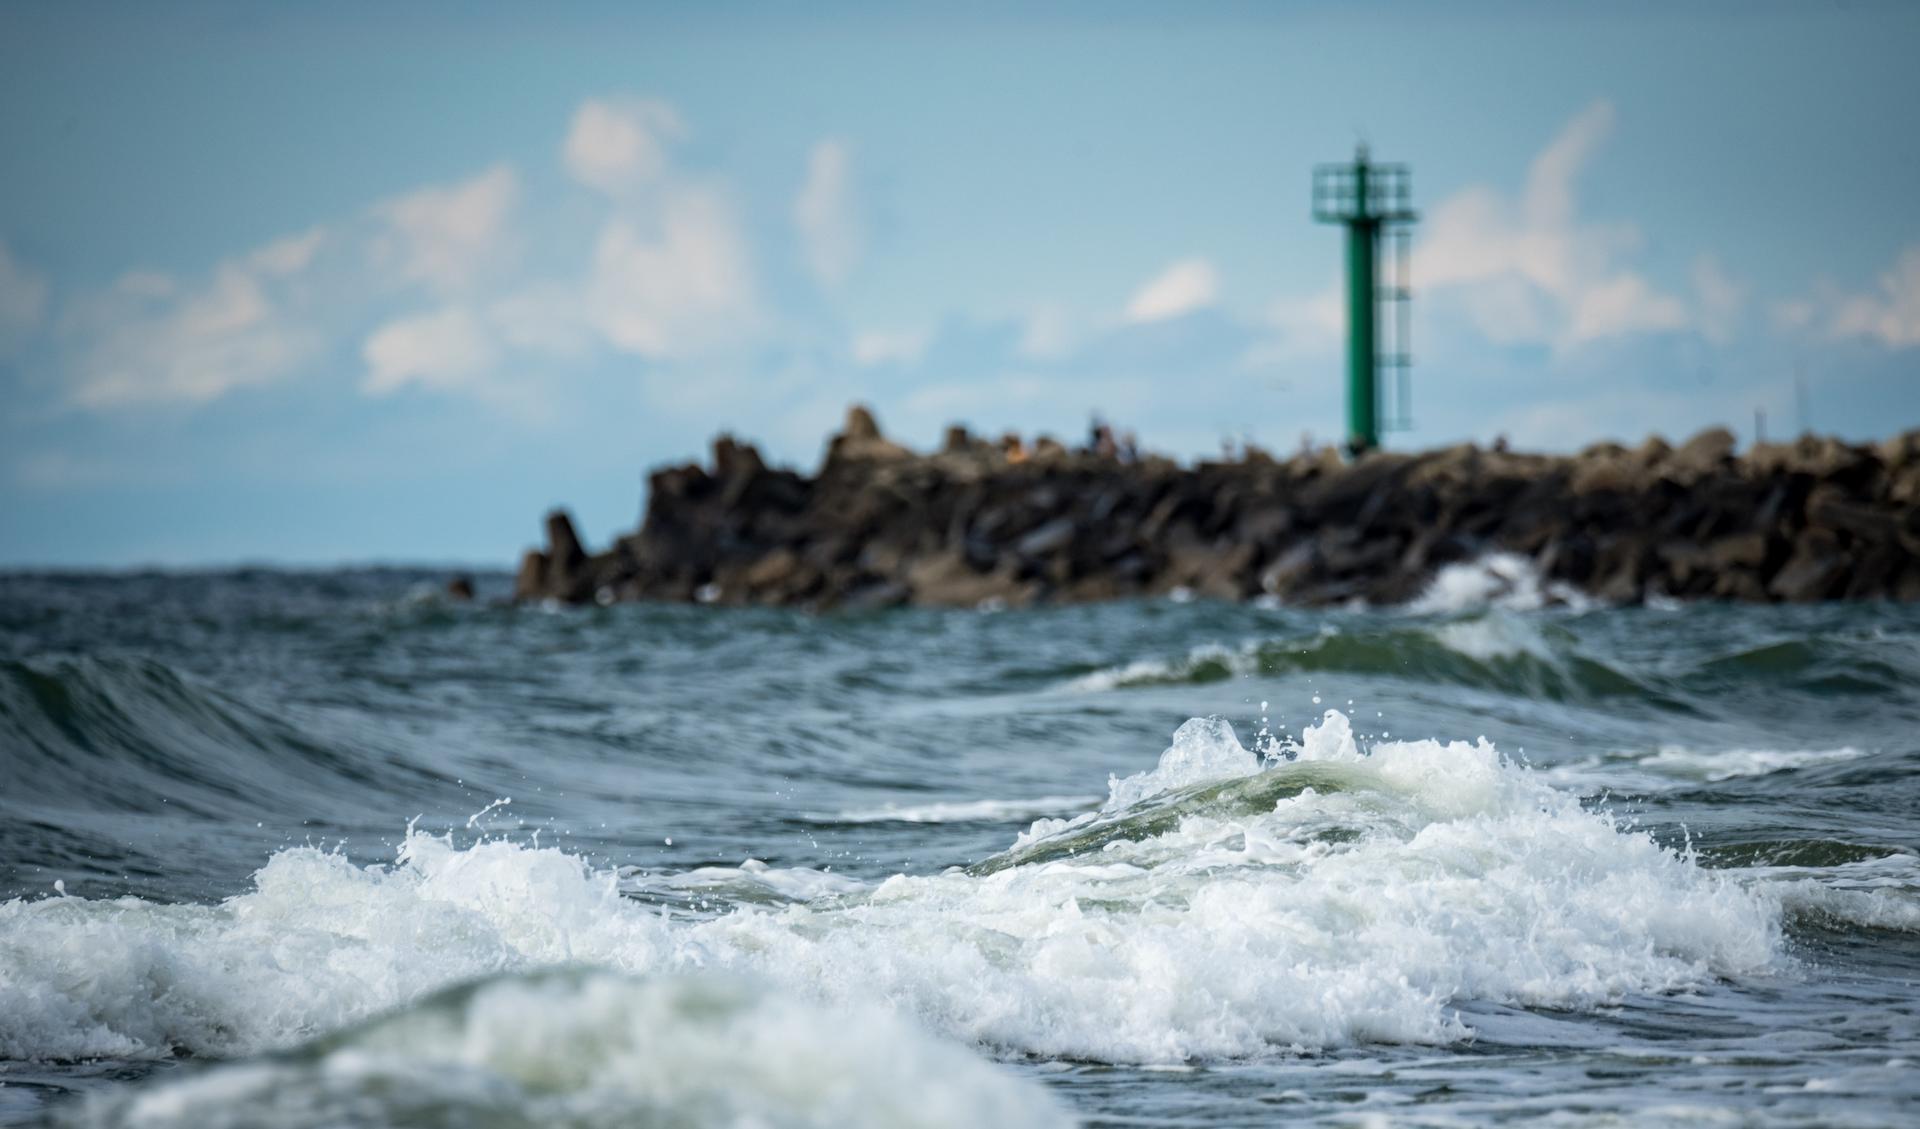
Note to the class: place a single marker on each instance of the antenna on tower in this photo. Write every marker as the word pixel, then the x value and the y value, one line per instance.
pixel 1373 201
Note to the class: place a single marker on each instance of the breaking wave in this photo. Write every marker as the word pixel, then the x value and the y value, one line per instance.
pixel 958 811
pixel 1230 903
pixel 1497 651
pixel 1495 580
pixel 1670 766
pixel 590 1049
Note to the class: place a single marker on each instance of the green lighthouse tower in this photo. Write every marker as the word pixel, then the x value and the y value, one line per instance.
pixel 1373 202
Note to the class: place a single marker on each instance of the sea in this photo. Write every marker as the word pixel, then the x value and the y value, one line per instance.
pixel 329 848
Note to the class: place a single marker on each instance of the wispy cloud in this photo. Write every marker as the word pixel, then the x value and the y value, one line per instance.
pixel 621 145
pixel 665 272
pixel 450 237
pixel 23 301
pixel 1719 300
pixel 446 349
pixel 880 347
pixel 151 337
pixel 826 215
pixel 1531 270
pixel 674 280
pixel 1182 288
pixel 1888 314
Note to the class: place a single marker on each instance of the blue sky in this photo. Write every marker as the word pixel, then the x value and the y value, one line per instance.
pixel 317 283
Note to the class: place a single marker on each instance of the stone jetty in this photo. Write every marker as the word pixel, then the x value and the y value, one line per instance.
pixel 1001 522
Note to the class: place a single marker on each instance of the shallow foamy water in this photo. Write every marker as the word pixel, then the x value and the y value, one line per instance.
pixel 329 851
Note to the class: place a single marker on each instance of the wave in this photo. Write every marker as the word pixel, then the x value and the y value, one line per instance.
pixel 585 1048
pixel 1496 580
pixel 1224 905
pixel 1675 766
pixel 1877 892
pixel 1826 665
pixel 135 735
pixel 1498 651
pixel 752 882
pixel 956 811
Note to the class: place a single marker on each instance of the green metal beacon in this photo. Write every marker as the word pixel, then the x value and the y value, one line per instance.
pixel 1372 201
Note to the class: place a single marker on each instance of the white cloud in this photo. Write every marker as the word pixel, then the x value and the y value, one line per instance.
pixel 1892 315
pixel 447 348
pixel 544 317
pixel 674 280
pixel 1049 334
pixel 826 215
pixel 1531 271
pixel 1718 300
pixel 1182 288
pixel 668 273
pixel 23 301
pixel 1621 304
pixel 289 256
pixel 1304 326
pixel 876 347
pixel 449 237
pixel 621 145
pixel 150 338
pixel 1794 315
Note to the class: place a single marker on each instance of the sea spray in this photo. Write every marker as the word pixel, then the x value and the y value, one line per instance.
pixel 595 1049
pixel 1364 896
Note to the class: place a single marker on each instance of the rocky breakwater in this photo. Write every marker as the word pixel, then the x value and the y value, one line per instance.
pixel 981 522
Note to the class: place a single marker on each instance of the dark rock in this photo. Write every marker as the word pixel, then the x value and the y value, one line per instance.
pixel 1704 454
pixel 1742 551
pixel 946 579
pixel 1291 570
pixel 1828 507
pixel 460 587
pixel 1009 523
pixel 732 459
pixel 860 440
pixel 565 554
pixel 774 570
pixel 530 583
pixel 1047 539
pixel 1817 570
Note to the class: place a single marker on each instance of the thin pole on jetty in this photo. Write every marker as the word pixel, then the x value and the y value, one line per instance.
pixel 1371 201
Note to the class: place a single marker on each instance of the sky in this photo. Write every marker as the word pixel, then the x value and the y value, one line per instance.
pixel 309 284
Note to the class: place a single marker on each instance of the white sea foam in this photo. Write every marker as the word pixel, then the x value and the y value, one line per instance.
pixel 598 1049
pixel 1727 764
pixel 1880 893
pixel 1496 580
pixel 1671 766
pixel 1403 883
pixel 1243 660
pixel 752 881
pixel 1203 749
pixel 958 811
pixel 1496 635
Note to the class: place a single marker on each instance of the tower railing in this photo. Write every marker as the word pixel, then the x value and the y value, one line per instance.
pixel 1370 200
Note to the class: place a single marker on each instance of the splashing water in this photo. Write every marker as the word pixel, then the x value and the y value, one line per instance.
pixel 1685 846
pixel 1208 910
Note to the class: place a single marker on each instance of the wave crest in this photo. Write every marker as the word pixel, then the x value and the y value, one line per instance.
pixel 583 1048
pixel 1335 897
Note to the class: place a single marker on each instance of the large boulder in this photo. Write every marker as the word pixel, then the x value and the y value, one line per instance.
pixel 1812 519
pixel 1707 453
pixel 860 440
pixel 1817 570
